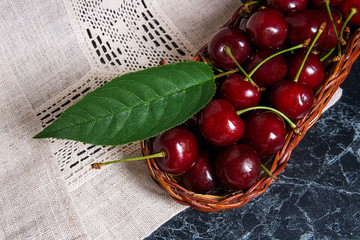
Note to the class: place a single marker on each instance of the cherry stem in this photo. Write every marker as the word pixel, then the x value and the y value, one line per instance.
pixel 274 55
pixel 327 55
pixel 226 73
pixel 214 67
pixel 99 165
pixel 228 52
pixel 268 172
pixel 352 13
pixel 292 125
pixel 321 29
pixel 246 8
pixel 251 3
pixel 327 3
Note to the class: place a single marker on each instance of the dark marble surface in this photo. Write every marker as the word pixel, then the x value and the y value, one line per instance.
pixel 317 197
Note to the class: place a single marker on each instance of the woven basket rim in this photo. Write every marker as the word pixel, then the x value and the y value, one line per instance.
pixel 214 202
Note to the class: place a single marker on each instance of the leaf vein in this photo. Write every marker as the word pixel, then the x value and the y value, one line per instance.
pixel 143 103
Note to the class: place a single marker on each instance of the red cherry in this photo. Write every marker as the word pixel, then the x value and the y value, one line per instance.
pixel 293 99
pixel 201 177
pixel 238 166
pixel 331 40
pixel 312 74
pixel 345 8
pixel 270 72
pixel 180 148
pixel 242 94
pixel 265 131
pixel 287 6
pixel 233 38
pixel 305 24
pixel 220 124
pixel 267 28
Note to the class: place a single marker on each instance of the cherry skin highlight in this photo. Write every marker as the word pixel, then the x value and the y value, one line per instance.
pixel 201 177
pixel 233 38
pixel 287 6
pixel 265 131
pixel 291 98
pixel 238 166
pixel 242 94
pixel 220 124
pixel 181 150
pixel 267 28
pixel 312 73
pixel 242 24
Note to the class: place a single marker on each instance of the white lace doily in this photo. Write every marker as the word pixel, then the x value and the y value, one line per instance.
pixel 116 37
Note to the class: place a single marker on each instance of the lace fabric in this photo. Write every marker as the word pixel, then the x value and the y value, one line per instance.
pixel 116 37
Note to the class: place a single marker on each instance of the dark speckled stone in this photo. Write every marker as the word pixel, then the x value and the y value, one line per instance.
pixel 317 197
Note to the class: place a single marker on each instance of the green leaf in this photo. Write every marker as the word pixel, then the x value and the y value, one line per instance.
pixel 136 106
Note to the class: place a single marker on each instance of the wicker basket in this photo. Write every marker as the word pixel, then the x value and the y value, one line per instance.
pixel 335 75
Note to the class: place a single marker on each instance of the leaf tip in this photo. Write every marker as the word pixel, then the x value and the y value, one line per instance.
pixel 40 135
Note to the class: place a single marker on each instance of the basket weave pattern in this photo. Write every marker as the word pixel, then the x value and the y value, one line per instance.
pixel 335 75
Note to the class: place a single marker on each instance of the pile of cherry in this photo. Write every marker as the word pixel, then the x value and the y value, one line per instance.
pixel 223 146
pixel 272 65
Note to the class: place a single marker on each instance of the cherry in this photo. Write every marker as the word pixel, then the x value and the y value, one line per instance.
pixel 346 6
pixel 267 28
pixel 273 70
pixel 176 151
pixel 319 3
pixel 305 24
pixel 219 123
pixel 180 150
pixel 238 166
pixel 294 99
pixel 201 177
pixel 242 94
pixel 331 40
pixel 312 73
pixel 287 6
pixel 233 38
pixel 265 131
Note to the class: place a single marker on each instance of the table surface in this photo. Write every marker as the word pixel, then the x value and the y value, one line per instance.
pixel 317 196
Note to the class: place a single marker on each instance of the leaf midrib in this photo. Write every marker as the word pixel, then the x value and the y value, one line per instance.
pixel 128 109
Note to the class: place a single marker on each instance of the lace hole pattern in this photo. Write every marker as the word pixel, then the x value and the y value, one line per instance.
pixel 116 37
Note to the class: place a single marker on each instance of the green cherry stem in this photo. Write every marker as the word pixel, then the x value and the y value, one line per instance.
pixel 226 73
pixel 321 29
pixel 274 55
pixel 246 8
pixel 327 3
pixel 99 165
pixel 292 125
pixel 228 52
pixel 268 172
pixel 352 13
pixel 327 55
pixel 251 3
pixel 214 67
